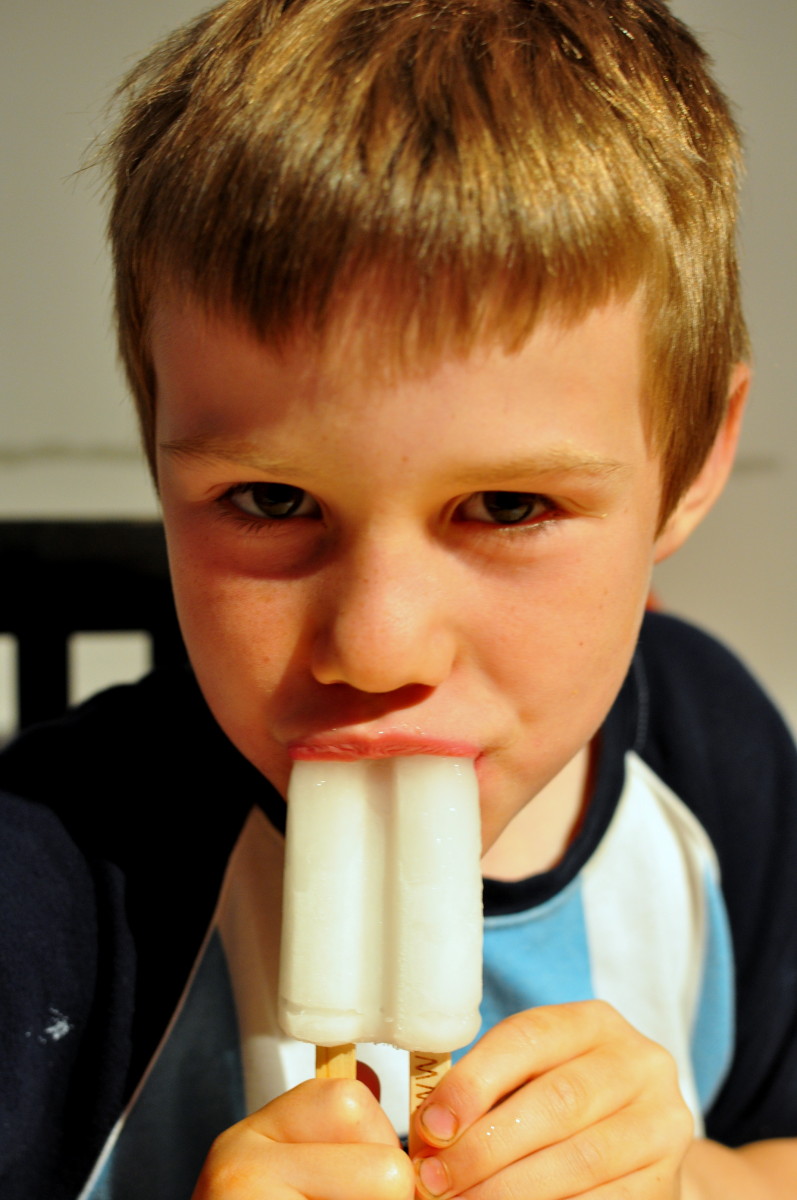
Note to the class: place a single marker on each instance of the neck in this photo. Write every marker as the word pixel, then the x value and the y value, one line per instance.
pixel 536 839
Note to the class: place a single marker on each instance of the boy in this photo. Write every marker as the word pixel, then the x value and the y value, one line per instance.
pixel 431 314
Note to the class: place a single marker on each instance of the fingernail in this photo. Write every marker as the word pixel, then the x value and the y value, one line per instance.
pixel 433 1176
pixel 440 1123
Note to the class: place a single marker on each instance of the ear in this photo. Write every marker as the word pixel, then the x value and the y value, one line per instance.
pixel 713 475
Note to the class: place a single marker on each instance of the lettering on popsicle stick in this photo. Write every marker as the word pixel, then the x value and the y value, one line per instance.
pixel 426 1071
pixel 336 1062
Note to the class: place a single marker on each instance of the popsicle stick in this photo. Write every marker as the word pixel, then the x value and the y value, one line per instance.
pixel 426 1071
pixel 336 1062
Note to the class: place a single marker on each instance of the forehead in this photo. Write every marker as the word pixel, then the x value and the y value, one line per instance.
pixel 571 395
pixel 364 346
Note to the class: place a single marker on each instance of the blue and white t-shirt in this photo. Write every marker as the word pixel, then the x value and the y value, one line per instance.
pixel 676 903
pixel 642 925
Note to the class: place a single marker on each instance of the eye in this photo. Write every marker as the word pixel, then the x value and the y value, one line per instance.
pixel 272 501
pixel 504 508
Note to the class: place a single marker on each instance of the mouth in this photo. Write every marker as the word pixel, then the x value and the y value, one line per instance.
pixel 341 747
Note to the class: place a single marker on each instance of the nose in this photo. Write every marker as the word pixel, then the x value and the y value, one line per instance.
pixel 384 621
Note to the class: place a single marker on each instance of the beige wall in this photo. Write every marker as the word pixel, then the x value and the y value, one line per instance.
pixel 738 575
pixel 68 441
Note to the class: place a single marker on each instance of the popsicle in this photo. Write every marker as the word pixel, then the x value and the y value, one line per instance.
pixel 382 910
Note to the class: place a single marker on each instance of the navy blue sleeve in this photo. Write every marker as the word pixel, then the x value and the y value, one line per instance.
pixel 115 827
pixel 716 739
pixel 63 1038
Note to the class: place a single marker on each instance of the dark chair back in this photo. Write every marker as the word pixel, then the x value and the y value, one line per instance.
pixel 58 578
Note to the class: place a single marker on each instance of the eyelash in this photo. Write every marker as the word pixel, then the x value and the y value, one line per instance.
pixel 292 497
pixel 495 501
pixel 297 498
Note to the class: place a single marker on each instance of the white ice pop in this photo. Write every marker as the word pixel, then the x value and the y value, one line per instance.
pixel 382 916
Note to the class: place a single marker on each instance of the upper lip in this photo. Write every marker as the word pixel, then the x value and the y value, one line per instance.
pixel 349 745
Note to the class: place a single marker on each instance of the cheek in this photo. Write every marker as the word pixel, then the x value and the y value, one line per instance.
pixel 231 624
pixel 236 624
pixel 241 648
pixel 573 632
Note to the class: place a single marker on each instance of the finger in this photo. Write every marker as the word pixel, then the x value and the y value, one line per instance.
pixel 324 1110
pixel 641 1140
pixel 561 1103
pixel 520 1048
pixel 648 1183
pixel 349 1172
pixel 545 1111
pixel 243 1165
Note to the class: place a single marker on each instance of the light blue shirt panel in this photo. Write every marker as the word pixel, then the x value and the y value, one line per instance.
pixel 713 1034
pixel 540 956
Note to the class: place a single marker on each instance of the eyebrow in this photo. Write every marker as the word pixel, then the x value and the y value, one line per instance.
pixel 555 460
pixel 215 448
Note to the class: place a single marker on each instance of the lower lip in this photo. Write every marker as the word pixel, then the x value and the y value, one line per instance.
pixel 352 751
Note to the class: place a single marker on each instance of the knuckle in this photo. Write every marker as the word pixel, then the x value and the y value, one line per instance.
pixel 657 1057
pixel 565 1098
pixel 350 1099
pixel 623 1190
pixel 586 1161
pixel 529 1028
pixel 533 1026
pixel 603 1016
pixel 226 1146
pixel 659 1069
pixel 396 1175
pixel 683 1127
pixel 601 1008
pixel 226 1179
pixel 514 1186
pixel 226 1170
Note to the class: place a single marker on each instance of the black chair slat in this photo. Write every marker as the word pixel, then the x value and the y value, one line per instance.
pixel 58 578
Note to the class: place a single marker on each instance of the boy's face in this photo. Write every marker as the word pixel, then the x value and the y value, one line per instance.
pixel 457 561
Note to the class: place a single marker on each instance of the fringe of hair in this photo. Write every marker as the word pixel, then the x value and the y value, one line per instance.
pixel 466 165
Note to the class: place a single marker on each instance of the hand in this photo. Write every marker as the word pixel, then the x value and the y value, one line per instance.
pixel 327 1139
pixel 559 1102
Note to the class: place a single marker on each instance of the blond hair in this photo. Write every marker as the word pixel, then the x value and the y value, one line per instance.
pixel 486 160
